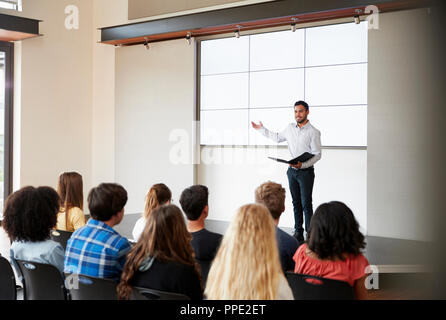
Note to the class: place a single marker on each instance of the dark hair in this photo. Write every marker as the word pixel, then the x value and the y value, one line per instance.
pixel 272 195
pixel 193 200
pixel 165 237
pixel 30 214
pixel 302 103
pixel 334 232
pixel 106 200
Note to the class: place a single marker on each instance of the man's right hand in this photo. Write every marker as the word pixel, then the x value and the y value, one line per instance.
pixel 257 126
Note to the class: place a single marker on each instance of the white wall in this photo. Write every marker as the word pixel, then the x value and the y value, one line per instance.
pixel 399 118
pixel 233 174
pixel 53 83
pixel 154 96
pixel 105 13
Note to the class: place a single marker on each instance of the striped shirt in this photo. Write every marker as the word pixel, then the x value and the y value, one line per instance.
pixel 96 250
pixel 300 140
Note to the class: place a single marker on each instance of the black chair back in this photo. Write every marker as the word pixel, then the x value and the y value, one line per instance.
pixel 41 281
pixel 152 294
pixel 307 287
pixel 204 268
pixel 7 281
pixel 61 237
pixel 83 287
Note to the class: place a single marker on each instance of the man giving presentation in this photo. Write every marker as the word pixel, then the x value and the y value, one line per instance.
pixel 301 137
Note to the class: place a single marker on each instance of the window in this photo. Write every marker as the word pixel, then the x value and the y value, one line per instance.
pixel 259 77
pixel 6 96
pixel 11 4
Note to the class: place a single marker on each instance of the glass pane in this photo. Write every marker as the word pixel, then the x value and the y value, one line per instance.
pixel 225 55
pixel 277 50
pixel 336 44
pixel 276 88
pixel 2 128
pixel 226 91
pixel 275 120
pixel 225 127
pixel 336 85
pixel 349 128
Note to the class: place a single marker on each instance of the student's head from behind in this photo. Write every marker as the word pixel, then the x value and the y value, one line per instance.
pixel 106 202
pixel 247 263
pixel 301 111
pixel 30 214
pixel 194 200
pixel 158 195
pixel 70 190
pixel 272 196
pixel 334 232
pixel 165 237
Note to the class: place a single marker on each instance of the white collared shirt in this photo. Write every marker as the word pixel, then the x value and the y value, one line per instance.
pixel 300 140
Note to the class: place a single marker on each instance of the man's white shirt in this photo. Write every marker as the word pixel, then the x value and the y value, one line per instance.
pixel 300 140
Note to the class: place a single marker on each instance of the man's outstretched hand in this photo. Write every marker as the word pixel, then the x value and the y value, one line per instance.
pixel 257 126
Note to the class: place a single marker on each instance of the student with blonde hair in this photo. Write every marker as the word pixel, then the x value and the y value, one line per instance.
pixel 70 189
pixel 158 195
pixel 163 258
pixel 247 265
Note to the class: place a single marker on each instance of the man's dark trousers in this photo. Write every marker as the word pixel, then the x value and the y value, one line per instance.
pixel 301 187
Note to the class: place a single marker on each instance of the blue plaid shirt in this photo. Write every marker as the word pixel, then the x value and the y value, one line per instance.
pixel 96 250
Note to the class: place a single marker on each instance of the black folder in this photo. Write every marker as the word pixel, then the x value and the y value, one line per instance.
pixel 302 158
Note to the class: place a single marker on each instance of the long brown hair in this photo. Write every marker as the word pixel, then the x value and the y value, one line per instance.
pixel 158 194
pixel 70 190
pixel 165 237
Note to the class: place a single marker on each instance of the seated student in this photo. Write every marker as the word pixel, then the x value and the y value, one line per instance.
pixel 194 202
pixel 96 249
pixel 247 265
pixel 163 258
pixel 333 249
pixel 158 195
pixel 71 215
pixel 30 214
pixel 272 195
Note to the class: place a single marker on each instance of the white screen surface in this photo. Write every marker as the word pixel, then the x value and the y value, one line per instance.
pixel 325 66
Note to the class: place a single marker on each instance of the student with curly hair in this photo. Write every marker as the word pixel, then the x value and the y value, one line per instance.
pixel 70 189
pixel 30 214
pixel 158 195
pixel 163 258
pixel 247 265
pixel 333 249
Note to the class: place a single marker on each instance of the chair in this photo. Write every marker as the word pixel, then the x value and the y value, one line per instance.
pixel 61 237
pixel 7 281
pixel 41 281
pixel 204 268
pixel 307 287
pixel 152 294
pixel 83 287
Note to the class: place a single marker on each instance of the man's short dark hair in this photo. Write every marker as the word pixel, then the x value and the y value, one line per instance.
pixel 193 200
pixel 30 214
pixel 106 200
pixel 302 103
pixel 272 195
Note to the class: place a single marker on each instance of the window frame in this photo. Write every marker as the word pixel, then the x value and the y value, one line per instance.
pixel 8 49
pixel 16 5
